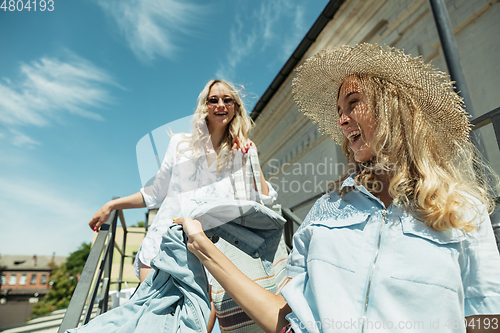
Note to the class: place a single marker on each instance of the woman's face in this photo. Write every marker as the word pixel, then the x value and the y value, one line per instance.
pixel 221 107
pixel 356 118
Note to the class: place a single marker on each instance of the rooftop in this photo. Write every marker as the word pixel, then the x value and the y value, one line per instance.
pixel 23 262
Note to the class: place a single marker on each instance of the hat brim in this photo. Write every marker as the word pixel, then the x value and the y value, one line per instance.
pixel 316 85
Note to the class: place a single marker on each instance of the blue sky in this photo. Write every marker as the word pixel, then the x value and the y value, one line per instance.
pixel 80 85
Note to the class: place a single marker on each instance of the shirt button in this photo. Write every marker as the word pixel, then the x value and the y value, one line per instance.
pixel 236 242
pixel 256 255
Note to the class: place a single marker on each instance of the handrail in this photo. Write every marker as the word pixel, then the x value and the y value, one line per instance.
pixel 492 117
pixel 307 201
pixel 80 295
pixel 293 222
pixel 124 242
pixel 90 282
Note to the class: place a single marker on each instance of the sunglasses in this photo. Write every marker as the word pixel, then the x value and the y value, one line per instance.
pixel 214 101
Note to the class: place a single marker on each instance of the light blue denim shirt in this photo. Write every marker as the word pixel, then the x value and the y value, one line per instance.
pixel 359 267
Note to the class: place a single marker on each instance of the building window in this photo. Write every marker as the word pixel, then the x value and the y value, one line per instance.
pixel 13 279
pixel 44 279
pixel 2 279
pixel 33 279
pixel 23 279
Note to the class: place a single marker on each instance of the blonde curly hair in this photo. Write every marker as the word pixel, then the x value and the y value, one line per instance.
pixel 434 188
pixel 239 126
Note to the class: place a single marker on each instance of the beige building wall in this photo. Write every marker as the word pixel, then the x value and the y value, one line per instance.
pixel 287 140
pixel 133 243
pixel 135 235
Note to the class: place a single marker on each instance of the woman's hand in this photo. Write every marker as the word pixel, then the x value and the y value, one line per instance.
pixel 265 308
pixel 132 201
pixel 193 230
pixel 100 217
pixel 244 146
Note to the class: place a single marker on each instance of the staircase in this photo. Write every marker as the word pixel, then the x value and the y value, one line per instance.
pixel 43 324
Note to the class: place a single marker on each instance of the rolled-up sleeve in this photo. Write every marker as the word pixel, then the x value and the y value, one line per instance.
pixel 269 199
pixel 297 260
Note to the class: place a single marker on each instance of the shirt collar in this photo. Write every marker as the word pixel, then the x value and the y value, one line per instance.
pixel 349 181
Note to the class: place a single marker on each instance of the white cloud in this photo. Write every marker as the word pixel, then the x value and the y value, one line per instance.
pixel 49 88
pixel 39 218
pixel 36 194
pixel 241 45
pixel 22 140
pixel 276 26
pixel 150 27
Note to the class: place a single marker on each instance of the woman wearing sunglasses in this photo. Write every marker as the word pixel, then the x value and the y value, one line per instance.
pixel 405 242
pixel 196 165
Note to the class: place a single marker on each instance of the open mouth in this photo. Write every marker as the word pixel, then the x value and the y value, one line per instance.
pixel 221 113
pixel 354 136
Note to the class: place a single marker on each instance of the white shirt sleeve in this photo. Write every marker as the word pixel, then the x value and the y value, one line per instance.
pixel 269 199
pixel 157 190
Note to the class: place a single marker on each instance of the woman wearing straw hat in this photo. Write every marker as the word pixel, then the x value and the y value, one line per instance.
pixel 405 242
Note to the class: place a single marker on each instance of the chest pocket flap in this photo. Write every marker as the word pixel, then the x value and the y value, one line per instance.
pixel 426 256
pixel 417 228
pixel 337 241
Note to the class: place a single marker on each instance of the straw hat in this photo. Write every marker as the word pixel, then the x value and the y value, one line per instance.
pixel 316 86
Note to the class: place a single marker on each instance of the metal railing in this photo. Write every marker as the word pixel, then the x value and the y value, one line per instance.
pixel 492 117
pixel 95 279
pixel 293 222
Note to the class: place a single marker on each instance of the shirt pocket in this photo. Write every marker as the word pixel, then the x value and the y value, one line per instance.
pixel 337 241
pixel 426 256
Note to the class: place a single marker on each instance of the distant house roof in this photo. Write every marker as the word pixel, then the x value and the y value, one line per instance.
pixel 20 262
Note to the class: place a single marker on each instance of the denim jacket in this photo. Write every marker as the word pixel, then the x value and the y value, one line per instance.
pixel 174 296
pixel 254 228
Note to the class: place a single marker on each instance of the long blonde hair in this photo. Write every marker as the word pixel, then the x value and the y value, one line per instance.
pixel 240 125
pixel 433 183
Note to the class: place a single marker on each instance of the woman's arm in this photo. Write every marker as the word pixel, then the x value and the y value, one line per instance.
pixel 263 184
pixel 149 196
pixel 211 321
pixel 265 308
pixel 132 201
